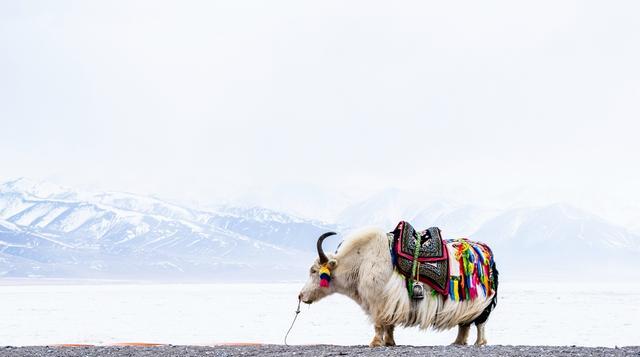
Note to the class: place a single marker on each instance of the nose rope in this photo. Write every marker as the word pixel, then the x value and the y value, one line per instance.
pixel 292 322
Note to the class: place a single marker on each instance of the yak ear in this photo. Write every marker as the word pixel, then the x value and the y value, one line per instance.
pixel 332 263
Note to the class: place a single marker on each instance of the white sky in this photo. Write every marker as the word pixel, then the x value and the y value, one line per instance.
pixel 199 99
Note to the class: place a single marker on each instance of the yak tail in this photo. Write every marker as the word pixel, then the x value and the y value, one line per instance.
pixel 494 301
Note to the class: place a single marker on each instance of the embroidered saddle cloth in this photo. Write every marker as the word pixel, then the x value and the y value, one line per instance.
pixel 424 248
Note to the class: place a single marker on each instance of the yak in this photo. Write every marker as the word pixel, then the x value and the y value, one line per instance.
pixel 362 269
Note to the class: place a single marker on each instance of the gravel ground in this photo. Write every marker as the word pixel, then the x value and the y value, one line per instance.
pixel 316 350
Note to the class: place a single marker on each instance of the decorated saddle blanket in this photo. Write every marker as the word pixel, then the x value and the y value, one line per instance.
pixel 458 268
pixel 421 256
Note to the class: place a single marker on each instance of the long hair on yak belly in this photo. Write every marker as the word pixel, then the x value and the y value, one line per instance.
pixel 432 311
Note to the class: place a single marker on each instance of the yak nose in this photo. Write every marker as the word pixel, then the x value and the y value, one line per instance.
pixel 299 296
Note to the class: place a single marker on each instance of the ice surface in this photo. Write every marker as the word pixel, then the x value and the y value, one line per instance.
pixel 534 314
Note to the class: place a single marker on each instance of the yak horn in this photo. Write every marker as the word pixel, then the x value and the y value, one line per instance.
pixel 323 257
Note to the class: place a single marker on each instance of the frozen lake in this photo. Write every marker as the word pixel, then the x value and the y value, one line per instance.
pixel 205 314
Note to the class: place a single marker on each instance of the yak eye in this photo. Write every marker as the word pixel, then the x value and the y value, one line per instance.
pixel 313 270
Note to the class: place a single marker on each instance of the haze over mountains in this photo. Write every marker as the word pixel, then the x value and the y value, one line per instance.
pixel 55 232
pixel 49 231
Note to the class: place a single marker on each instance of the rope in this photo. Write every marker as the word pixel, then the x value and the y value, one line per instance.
pixel 292 322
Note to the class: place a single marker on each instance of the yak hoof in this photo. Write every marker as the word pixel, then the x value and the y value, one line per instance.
pixel 481 343
pixel 390 343
pixel 376 342
pixel 458 343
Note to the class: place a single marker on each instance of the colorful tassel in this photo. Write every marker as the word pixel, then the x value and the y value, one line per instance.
pixel 451 288
pixel 325 276
pixel 474 261
pixel 456 295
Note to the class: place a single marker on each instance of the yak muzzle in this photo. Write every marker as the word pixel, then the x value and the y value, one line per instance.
pixel 307 301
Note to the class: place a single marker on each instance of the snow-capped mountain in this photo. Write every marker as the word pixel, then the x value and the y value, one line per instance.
pixel 46 230
pixel 51 231
pixel 542 239
pixel 561 238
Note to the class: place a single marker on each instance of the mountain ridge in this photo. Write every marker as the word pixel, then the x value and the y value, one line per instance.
pixel 51 231
pixel 102 230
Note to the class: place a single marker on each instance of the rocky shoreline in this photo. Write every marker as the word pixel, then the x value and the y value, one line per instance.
pixel 312 350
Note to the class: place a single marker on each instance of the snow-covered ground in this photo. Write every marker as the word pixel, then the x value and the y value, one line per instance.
pixel 535 314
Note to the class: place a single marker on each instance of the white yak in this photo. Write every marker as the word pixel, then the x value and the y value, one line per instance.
pixel 362 269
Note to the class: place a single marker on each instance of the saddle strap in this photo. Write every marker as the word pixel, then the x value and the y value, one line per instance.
pixel 414 269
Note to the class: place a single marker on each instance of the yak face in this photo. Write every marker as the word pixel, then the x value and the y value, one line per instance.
pixel 319 283
pixel 313 290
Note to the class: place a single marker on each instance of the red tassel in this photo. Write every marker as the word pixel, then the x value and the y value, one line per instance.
pixel 324 283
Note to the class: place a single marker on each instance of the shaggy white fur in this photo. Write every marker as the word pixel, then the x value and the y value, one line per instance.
pixel 362 270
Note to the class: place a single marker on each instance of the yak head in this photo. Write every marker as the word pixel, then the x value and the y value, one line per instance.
pixel 321 280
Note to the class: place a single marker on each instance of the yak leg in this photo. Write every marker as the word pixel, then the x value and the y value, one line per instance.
pixel 377 339
pixel 463 334
pixel 388 336
pixel 482 339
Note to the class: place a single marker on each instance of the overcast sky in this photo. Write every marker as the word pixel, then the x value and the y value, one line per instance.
pixel 199 99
